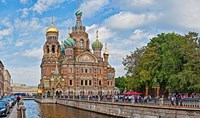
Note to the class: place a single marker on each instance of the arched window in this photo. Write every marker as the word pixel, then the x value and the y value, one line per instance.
pixel 53 49
pixel 81 43
pixel 47 49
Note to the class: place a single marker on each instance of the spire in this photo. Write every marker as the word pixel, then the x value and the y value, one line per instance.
pixel 97 35
pixel 106 50
pixel 52 22
pixel 106 47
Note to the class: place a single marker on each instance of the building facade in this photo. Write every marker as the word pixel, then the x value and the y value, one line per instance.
pixel 71 68
pixel 7 82
pixel 1 78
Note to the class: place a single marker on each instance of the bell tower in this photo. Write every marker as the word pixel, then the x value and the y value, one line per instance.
pixel 51 49
pixel 79 35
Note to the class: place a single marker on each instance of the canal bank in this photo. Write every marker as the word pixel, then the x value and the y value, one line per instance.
pixel 128 110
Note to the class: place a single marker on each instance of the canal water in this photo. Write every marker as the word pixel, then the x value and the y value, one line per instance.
pixel 36 110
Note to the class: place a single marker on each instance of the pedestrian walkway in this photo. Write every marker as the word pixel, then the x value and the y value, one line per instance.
pixel 13 113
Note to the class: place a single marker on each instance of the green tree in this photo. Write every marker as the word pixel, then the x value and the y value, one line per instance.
pixel 169 60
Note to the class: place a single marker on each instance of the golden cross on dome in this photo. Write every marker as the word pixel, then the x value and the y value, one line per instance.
pixel 106 47
pixel 52 22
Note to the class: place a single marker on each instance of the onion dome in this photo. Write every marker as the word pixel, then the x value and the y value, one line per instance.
pixel 69 42
pixel 106 53
pixel 52 28
pixel 97 44
pixel 78 13
pixel 62 48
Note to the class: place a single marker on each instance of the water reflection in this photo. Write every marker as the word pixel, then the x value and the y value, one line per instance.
pixel 35 110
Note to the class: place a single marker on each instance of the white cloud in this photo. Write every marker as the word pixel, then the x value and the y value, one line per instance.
pixel 184 14
pixel 104 33
pixel 6 22
pixel 132 4
pixel 128 20
pixel 35 53
pixel 25 12
pixel 27 75
pixel 23 1
pixel 140 34
pixel 90 7
pixel 5 32
pixel 28 26
pixel 44 5
pixel 18 43
pixel 119 70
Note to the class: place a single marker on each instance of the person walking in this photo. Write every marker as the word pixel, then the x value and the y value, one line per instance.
pixel 18 99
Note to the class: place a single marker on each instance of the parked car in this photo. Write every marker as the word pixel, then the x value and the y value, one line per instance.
pixel 10 101
pixel 4 108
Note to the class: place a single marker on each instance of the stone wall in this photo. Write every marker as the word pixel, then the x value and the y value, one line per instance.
pixel 132 111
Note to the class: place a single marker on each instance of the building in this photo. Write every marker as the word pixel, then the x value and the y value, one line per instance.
pixel 22 88
pixel 1 78
pixel 7 81
pixel 71 68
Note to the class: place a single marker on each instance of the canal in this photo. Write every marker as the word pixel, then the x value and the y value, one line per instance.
pixel 36 110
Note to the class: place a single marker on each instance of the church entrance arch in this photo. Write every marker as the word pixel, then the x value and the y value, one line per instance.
pixel 58 92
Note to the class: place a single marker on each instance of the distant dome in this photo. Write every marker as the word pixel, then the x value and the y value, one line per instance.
pixel 62 48
pixel 78 13
pixel 97 44
pixel 52 29
pixel 106 53
pixel 69 42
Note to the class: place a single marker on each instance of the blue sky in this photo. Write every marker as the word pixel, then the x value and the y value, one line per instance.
pixel 124 24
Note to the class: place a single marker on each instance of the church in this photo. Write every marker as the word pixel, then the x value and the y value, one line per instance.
pixel 70 68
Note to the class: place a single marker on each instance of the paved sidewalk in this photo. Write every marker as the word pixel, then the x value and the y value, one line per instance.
pixel 13 113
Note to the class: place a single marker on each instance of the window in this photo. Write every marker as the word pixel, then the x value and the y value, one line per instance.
pixel 100 83
pixel 81 43
pixel 90 82
pixel 70 82
pixel 108 83
pixel 82 70
pixel 53 49
pixel 70 70
pixel 81 82
pixel 111 83
pixel 47 49
pixel 90 70
pixel 100 71
pixel 86 82
pixel 86 70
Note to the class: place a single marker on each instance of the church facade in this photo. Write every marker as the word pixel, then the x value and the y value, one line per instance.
pixel 71 68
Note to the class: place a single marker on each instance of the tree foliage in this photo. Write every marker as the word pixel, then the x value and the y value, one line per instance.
pixel 170 60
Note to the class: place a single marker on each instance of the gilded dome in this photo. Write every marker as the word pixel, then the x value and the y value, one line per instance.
pixel 69 42
pixel 97 44
pixel 52 29
pixel 106 53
